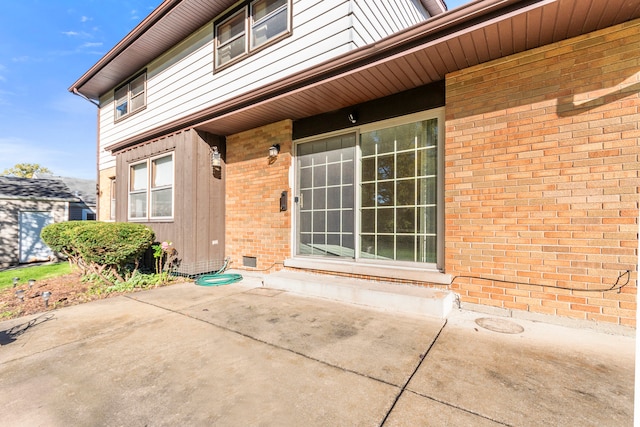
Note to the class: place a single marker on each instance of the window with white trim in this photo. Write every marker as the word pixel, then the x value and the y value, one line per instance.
pixel 254 26
pixel 151 185
pixel 372 194
pixel 112 198
pixel 131 96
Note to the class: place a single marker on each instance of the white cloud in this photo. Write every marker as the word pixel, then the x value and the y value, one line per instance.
pixel 23 58
pixel 85 19
pixel 88 44
pixel 134 14
pixel 82 34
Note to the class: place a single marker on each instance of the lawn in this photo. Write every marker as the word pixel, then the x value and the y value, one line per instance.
pixel 38 272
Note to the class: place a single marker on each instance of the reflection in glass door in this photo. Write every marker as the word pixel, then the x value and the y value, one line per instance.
pixel 325 208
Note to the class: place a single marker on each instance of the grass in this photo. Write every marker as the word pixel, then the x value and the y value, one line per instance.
pixel 38 272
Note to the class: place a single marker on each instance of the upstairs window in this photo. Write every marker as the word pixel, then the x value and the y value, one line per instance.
pixel 268 21
pixel 232 38
pixel 255 25
pixel 131 96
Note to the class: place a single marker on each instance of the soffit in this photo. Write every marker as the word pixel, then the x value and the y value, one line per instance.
pixel 434 7
pixel 458 39
pixel 170 23
pixel 478 32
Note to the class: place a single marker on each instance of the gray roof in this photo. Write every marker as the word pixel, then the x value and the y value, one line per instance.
pixel 85 189
pixel 35 189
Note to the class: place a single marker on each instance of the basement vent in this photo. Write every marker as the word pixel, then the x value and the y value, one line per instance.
pixel 249 261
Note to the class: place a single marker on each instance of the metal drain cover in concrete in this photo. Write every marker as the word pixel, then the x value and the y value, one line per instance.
pixel 499 325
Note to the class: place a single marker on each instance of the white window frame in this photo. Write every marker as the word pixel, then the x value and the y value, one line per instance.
pixel 399 269
pixel 129 97
pixel 150 189
pixel 112 198
pixel 249 25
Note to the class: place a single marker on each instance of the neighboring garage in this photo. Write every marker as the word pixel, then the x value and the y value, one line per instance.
pixel 26 206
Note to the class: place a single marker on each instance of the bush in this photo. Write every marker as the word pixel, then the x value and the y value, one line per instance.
pixel 103 248
pixel 59 236
pixel 113 243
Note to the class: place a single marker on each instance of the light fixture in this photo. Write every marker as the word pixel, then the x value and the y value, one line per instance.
pixel 45 296
pixel 20 294
pixel 15 281
pixel 353 117
pixel 31 283
pixel 274 150
pixel 215 158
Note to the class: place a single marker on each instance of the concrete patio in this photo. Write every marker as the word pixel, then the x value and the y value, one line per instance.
pixel 247 355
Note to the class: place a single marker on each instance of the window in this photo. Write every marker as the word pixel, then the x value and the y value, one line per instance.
pixel 398 201
pixel 326 196
pixel 130 97
pixel 151 189
pixel 372 194
pixel 252 27
pixel 112 195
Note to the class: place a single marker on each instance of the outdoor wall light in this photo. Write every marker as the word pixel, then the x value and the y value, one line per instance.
pixel 215 158
pixel 20 294
pixel 15 281
pixel 274 150
pixel 353 117
pixel 45 296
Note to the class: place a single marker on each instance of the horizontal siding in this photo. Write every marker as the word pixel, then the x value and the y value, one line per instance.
pixel 376 19
pixel 182 81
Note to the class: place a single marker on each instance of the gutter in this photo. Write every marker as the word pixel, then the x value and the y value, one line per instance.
pixel 75 92
pixel 431 30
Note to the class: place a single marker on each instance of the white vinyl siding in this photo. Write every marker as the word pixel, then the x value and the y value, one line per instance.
pixel 376 19
pixel 182 81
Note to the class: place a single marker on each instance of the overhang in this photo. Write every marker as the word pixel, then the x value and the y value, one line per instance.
pixel 170 23
pixel 478 32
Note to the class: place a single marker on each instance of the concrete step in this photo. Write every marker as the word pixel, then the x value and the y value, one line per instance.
pixel 383 295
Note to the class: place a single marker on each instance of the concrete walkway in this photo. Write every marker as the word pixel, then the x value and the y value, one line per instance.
pixel 245 355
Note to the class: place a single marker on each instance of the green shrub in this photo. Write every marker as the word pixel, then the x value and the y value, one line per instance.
pixel 59 236
pixel 107 249
pixel 113 243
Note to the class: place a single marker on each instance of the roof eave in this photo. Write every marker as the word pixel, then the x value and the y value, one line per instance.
pixel 432 29
pixel 158 13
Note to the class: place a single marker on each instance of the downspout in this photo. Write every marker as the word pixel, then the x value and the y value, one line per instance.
pixel 75 92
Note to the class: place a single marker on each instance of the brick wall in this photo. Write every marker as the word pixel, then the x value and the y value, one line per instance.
pixel 104 196
pixel 255 227
pixel 542 177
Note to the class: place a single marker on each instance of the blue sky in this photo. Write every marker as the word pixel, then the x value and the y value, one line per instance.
pixel 45 46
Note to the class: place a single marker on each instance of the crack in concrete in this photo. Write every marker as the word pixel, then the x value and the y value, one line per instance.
pixel 404 387
pixel 459 408
pixel 225 328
